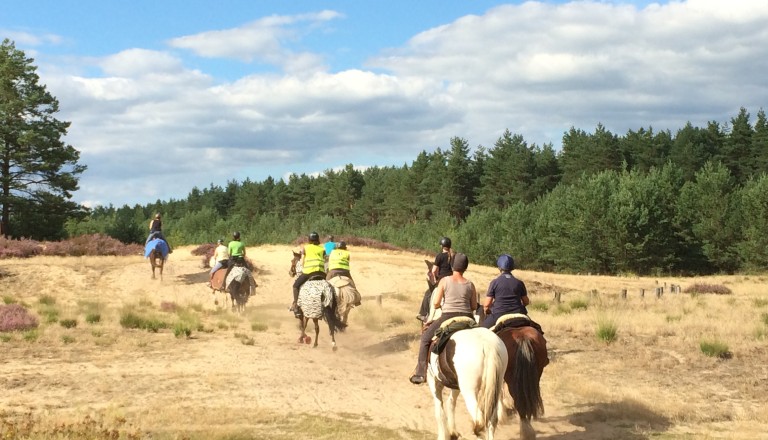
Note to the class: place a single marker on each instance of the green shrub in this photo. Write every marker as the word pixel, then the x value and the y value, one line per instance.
pixel 714 348
pixel 67 339
pixel 578 304
pixel 130 319
pixel 259 326
pixel 68 323
pixel 47 300
pixel 607 330
pixel 674 318
pixel 7 299
pixel 182 329
pixel 5 337
pixel 540 306
pixel 760 302
pixel 93 318
pixel 31 335
pixel 764 318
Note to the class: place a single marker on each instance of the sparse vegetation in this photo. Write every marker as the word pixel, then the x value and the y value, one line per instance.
pixel 578 304
pixel 259 326
pixel 68 323
pixel 607 329
pixel 539 306
pixel 7 299
pixel 132 320
pixel 47 300
pixel 14 317
pixel 67 339
pixel 182 329
pixel 93 318
pixel 704 288
pixel 715 348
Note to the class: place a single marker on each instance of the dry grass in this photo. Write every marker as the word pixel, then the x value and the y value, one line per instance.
pixel 230 376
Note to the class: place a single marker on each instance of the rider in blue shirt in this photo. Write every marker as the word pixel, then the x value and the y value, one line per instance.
pixel 506 294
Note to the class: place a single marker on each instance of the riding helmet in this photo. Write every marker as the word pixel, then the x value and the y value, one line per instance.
pixel 220 241
pixel 505 262
pixel 314 237
pixel 236 235
pixel 445 242
pixel 342 244
pixel 460 263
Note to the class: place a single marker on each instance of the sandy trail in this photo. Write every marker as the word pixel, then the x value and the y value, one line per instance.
pixel 161 382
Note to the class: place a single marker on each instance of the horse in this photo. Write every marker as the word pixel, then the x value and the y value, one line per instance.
pixel 218 284
pixel 157 251
pixel 317 300
pixel 472 364
pixel 240 284
pixel 347 296
pixel 527 350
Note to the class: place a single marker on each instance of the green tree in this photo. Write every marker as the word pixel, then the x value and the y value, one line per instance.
pixel 753 207
pixel 36 166
pixel 737 153
pixel 760 143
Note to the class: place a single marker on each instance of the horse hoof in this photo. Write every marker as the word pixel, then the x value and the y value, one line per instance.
pixel 335 348
pixel 301 340
pixel 308 340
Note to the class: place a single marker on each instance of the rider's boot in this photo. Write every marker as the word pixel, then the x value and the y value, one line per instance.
pixel 419 374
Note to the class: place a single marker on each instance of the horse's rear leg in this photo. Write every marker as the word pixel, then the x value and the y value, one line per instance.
pixel 317 331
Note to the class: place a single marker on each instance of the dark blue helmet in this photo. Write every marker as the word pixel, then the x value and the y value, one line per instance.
pixel 314 237
pixel 505 262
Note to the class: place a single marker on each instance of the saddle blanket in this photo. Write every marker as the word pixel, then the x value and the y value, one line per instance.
pixel 448 328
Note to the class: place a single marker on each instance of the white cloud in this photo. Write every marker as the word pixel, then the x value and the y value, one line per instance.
pixel 265 40
pixel 149 126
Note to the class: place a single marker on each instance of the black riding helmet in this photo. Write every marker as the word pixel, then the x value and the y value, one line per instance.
pixel 342 244
pixel 445 242
pixel 314 237
pixel 236 235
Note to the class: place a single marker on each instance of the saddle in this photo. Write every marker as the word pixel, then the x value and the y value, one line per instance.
pixel 515 320
pixel 447 329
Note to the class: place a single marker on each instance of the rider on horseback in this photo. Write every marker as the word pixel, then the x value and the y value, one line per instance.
pixel 506 294
pixel 460 300
pixel 312 265
pixel 156 231
pixel 338 262
pixel 220 256
pixel 440 269
pixel 236 248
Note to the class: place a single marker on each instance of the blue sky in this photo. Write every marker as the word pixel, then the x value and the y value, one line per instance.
pixel 167 95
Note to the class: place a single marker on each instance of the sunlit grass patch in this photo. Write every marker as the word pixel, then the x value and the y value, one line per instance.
pixel 760 302
pixel 93 318
pixel 540 306
pixel 578 304
pixel 47 300
pixel 715 348
pixel 7 299
pixel 378 318
pixel 68 323
pixel 607 329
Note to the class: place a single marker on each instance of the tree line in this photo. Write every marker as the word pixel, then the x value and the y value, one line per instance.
pixel 693 201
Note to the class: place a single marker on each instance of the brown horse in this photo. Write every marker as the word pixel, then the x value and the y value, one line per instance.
pixel 157 261
pixel 527 350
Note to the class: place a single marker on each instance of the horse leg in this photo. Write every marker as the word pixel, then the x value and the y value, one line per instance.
pixel 526 430
pixel 437 396
pixel 332 331
pixel 303 321
pixel 451 413
pixel 317 330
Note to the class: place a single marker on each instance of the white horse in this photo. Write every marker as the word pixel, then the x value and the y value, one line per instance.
pixel 473 364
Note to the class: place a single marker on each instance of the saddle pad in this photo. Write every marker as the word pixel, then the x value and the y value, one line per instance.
pixel 507 317
pixel 446 372
pixel 455 320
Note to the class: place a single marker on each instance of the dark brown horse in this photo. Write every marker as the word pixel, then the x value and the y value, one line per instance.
pixel 527 350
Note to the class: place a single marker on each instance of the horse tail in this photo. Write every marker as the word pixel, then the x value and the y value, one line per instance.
pixel 489 396
pixel 525 382
pixel 329 313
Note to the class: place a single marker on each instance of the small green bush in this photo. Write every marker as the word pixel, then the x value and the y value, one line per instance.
pixel 259 326
pixel 540 306
pixel 607 330
pixel 7 299
pixel 764 318
pixel 31 335
pixel 674 318
pixel 714 348
pixel 5 337
pixel 760 302
pixel 182 329
pixel 68 323
pixel 93 318
pixel 578 304
pixel 130 320
pixel 47 300
pixel 67 339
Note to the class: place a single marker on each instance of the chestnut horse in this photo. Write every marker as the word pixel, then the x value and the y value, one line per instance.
pixel 527 350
